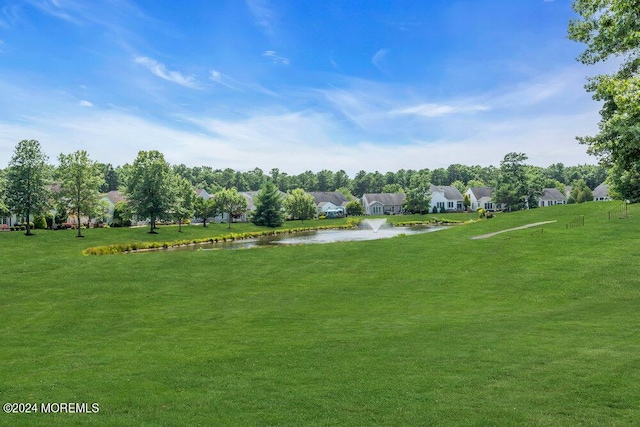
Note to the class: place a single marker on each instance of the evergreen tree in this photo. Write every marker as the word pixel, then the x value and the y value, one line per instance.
pixel 269 206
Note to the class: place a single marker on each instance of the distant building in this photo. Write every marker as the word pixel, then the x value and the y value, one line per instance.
pixel 446 197
pixel 330 202
pixel 601 193
pixel 382 203
pixel 480 197
pixel 550 197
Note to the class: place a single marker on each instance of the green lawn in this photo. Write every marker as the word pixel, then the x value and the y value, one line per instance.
pixel 527 327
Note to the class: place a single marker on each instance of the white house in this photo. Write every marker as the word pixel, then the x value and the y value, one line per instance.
pixel 330 201
pixel 550 197
pixel 480 197
pixel 601 193
pixel 446 197
pixel 382 203
pixel 111 199
pixel 201 192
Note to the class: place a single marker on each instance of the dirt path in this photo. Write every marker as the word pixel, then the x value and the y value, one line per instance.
pixel 485 236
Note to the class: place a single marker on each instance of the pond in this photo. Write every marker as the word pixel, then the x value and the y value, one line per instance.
pixel 316 237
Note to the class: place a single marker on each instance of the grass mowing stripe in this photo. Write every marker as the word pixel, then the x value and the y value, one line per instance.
pixel 522 328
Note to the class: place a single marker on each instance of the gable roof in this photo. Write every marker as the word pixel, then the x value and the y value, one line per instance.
pixel 386 199
pixel 450 192
pixel 335 197
pixel 480 192
pixel 552 194
pixel 115 196
pixel 601 191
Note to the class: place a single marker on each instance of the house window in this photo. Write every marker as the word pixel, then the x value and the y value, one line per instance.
pixel 376 210
pixel 440 205
pixel 450 205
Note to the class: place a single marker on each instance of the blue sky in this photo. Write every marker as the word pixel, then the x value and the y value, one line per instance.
pixel 295 84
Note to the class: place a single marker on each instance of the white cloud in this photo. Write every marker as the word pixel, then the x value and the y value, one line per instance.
pixel 263 15
pixel 378 58
pixel 275 58
pixel 439 110
pixel 85 103
pixel 161 71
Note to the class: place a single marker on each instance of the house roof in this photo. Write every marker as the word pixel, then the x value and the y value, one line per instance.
pixel 450 192
pixel 115 196
pixel 552 194
pixel 386 199
pixel 601 191
pixel 335 197
pixel 480 192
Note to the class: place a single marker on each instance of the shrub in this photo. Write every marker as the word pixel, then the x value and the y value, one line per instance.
pixel 40 222
pixel 434 210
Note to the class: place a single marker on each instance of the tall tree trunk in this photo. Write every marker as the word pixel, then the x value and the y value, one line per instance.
pixel 79 224
pixel 28 233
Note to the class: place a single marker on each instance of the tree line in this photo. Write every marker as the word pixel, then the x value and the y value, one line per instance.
pixel 156 190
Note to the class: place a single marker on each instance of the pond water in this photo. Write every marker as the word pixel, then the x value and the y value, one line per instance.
pixel 315 237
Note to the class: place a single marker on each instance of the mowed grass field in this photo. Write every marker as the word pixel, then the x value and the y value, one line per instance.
pixel 532 327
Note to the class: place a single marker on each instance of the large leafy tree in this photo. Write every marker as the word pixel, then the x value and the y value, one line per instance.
pixel 204 209
pixel 511 189
pixel 417 200
pixel 269 206
pixel 611 29
pixel 26 176
pixel 4 209
pixel 300 205
pixel 80 181
pixel 183 202
pixel 231 202
pixel 149 187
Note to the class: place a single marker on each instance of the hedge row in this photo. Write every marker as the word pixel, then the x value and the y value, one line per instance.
pixel 132 247
pixel 436 221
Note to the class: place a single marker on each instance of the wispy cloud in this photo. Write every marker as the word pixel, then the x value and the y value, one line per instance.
pixel 275 58
pixel 378 58
pixel 85 103
pixel 226 81
pixel 439 110
pixel 263 15
pixel 9 16
pixel 160 70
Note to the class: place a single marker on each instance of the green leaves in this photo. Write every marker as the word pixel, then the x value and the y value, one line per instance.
pixel 26 178
pixel 611 28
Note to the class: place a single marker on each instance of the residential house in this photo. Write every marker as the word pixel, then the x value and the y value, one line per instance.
pixel 446 197
pixel 382 203
pixel 480 197
pixel 330 202
pixel 601 193
pixel 201 192
pixel 550 197
pixel 111 199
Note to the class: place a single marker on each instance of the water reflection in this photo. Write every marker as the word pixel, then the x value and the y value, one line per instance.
pixel 316 237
